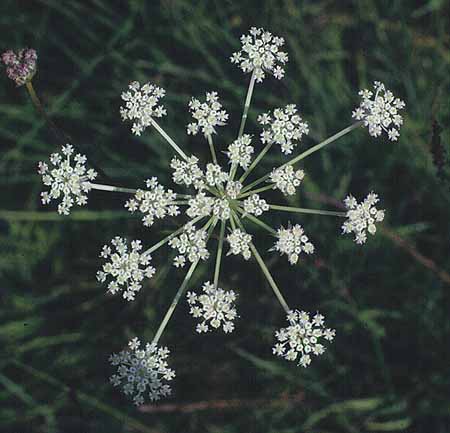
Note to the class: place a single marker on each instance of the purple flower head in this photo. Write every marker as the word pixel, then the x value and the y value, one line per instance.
pixel 20 66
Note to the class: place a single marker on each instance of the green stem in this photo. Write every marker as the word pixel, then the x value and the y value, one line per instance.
pixel 266 271
pixel 172 235
pixel 307 153
pixel 247 104
pixel 255 162
pixel 211 148
pixel 305 210
pixel 111 188
pixel 233 170
pixel 219 253
pixel 254 191
pixel 181 290
pixel 257 221
pixel 168 139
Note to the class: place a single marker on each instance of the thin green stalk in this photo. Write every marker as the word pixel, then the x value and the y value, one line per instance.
pixel 254 191
pixel 219 253
pixel 233 170
pixel 211 223
pixel 168 238
pixel 309 211
pixel 247 104
pixel 111 188
pixel 211 148
pixel 265 270
pixel 255 162
pixel 257 221
pixel 307 153
pixel 168 139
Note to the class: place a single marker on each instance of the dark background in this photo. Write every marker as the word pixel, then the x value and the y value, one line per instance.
pixel 388 369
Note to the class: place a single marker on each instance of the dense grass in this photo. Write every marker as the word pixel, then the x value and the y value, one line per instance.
pixel 388 368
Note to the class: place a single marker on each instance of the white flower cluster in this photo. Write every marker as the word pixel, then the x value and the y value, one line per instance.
pixel 255 205
pixel 221 208
pixel 302 337
pixel 215 176
pixel 240 151
pixel 215 306
pixel 126 268
pixel 154 203
pixel 286 179
pixel 233 189
pixel 200 205
pixel 239 243
pixel 361 217
pixel 70 182
pixel 286 127
pixel 293 241
pixel 261 53
pixel 204 205
pixel 208 115
pixel 191 245
pixel 141 104
pixel 380 113
pixel 187 172
pixel 141 371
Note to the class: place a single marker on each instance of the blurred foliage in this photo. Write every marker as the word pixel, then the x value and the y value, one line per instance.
pixel 388 368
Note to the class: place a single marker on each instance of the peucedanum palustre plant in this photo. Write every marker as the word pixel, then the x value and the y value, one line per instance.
pixel 220 200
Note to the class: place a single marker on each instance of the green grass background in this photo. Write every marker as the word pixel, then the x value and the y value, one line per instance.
pixel 388 369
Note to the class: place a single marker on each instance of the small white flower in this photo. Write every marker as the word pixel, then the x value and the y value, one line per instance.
pixel 285 127
pixel 208 115
pixel 215 176
pixel 191 244
pixel 233 189
pixel 126 269
pixel 66 181
pixel 221 208
pixel 380 113
pixel 255 205
pixel 239 243
pixel 215 307
pixel 156 202
pixel 261 53
pixel 240 151
pixel 141 371
pixel 293 241
pixel 286 179
pixel 187 172
pixel 200 205
pixel 141 104
pixel 361 217
pixel 302 337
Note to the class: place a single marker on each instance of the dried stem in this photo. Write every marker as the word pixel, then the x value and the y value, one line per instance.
pixel 60 135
